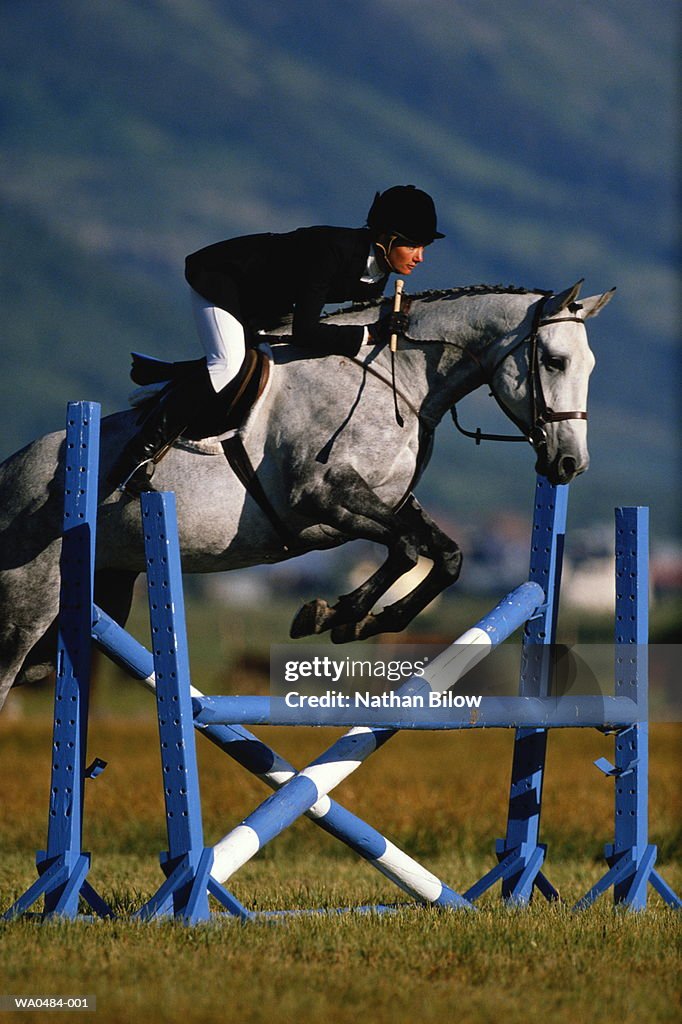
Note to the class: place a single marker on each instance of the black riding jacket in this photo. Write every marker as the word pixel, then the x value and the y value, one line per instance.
pixel 261 278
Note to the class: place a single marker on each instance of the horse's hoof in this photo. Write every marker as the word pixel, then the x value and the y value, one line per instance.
pixel 311 619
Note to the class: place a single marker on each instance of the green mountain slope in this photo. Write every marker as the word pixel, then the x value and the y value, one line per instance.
pixel 133 132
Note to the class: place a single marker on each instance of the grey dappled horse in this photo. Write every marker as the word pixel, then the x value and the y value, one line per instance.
pixel 331 456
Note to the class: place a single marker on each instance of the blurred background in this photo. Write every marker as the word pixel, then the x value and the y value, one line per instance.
pixel 133 132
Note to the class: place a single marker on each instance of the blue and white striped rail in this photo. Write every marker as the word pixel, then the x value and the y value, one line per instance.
pixel 274 770
pixel 312 784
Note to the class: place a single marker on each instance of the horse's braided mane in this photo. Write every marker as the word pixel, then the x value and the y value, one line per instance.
pixel 432 294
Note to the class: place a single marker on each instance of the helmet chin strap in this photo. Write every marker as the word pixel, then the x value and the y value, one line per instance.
pixel 386 251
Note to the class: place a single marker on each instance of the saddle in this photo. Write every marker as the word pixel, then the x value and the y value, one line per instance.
pixel 231 406
pixel 221 417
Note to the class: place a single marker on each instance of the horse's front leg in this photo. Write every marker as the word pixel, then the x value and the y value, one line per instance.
pixel 318 616
pixel 447 562
pixel 352 508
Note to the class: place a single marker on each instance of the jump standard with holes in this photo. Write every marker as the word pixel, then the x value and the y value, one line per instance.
pixel 194 871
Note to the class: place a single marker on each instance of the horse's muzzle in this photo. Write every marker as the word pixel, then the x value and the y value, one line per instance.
pixel 562 469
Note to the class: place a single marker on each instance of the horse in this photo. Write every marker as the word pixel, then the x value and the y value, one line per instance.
pixel 337 443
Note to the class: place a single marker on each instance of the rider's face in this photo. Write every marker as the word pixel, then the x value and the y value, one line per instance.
pixel 404 258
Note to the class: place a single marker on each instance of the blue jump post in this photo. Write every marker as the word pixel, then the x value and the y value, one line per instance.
pixel 63 866
pixel 631 858
pixel 187 864
pixel 520 854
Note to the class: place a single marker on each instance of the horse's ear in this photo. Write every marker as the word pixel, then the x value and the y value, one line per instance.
pixel 595 303
pixel 555 303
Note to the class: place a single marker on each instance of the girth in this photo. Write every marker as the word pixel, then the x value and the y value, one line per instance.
pixel 242 467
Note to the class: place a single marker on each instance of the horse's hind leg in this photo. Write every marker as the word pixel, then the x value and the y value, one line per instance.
pixel 29 602
pixel 114 592
pixel 16 640
pixel 29 654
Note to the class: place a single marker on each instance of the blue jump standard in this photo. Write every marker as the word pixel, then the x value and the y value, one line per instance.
pixel 631 858
pixel 63 866
pixel 189 866
pixel 520 854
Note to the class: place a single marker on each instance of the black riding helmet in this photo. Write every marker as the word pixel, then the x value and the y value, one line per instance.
pixel 406 212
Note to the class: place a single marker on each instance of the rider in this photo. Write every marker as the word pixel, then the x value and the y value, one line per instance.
pixel 247 284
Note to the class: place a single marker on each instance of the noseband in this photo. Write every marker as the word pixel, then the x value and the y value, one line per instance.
pixel 541 413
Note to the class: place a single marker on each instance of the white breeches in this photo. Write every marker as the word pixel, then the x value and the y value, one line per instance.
pixel 222 339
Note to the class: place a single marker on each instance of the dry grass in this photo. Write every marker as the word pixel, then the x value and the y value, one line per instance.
pixel 441 797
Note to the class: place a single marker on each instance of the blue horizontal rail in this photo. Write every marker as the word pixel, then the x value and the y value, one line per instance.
pixel 493 713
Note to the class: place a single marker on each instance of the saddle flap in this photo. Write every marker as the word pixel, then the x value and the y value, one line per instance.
pixel 240 397
pixel 148 370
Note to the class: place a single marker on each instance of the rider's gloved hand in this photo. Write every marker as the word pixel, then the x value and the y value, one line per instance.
pixel 392 323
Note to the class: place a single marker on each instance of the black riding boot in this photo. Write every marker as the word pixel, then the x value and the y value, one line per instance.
pixel 163 424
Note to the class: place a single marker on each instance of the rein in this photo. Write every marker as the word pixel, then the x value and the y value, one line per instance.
pixel 541 412
pixel 390 383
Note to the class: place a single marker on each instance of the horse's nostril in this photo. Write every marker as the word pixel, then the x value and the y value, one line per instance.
pixel 568 467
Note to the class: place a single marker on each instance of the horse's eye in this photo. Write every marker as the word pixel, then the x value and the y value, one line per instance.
pixel 555 363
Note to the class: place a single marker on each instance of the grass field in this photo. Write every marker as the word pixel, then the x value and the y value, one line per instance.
pixel 441 798
pixel 417 965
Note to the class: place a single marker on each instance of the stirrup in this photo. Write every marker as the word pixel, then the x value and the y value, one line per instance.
pixel 138 480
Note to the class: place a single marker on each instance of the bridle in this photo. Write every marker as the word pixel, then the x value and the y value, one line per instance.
pixel 541 413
